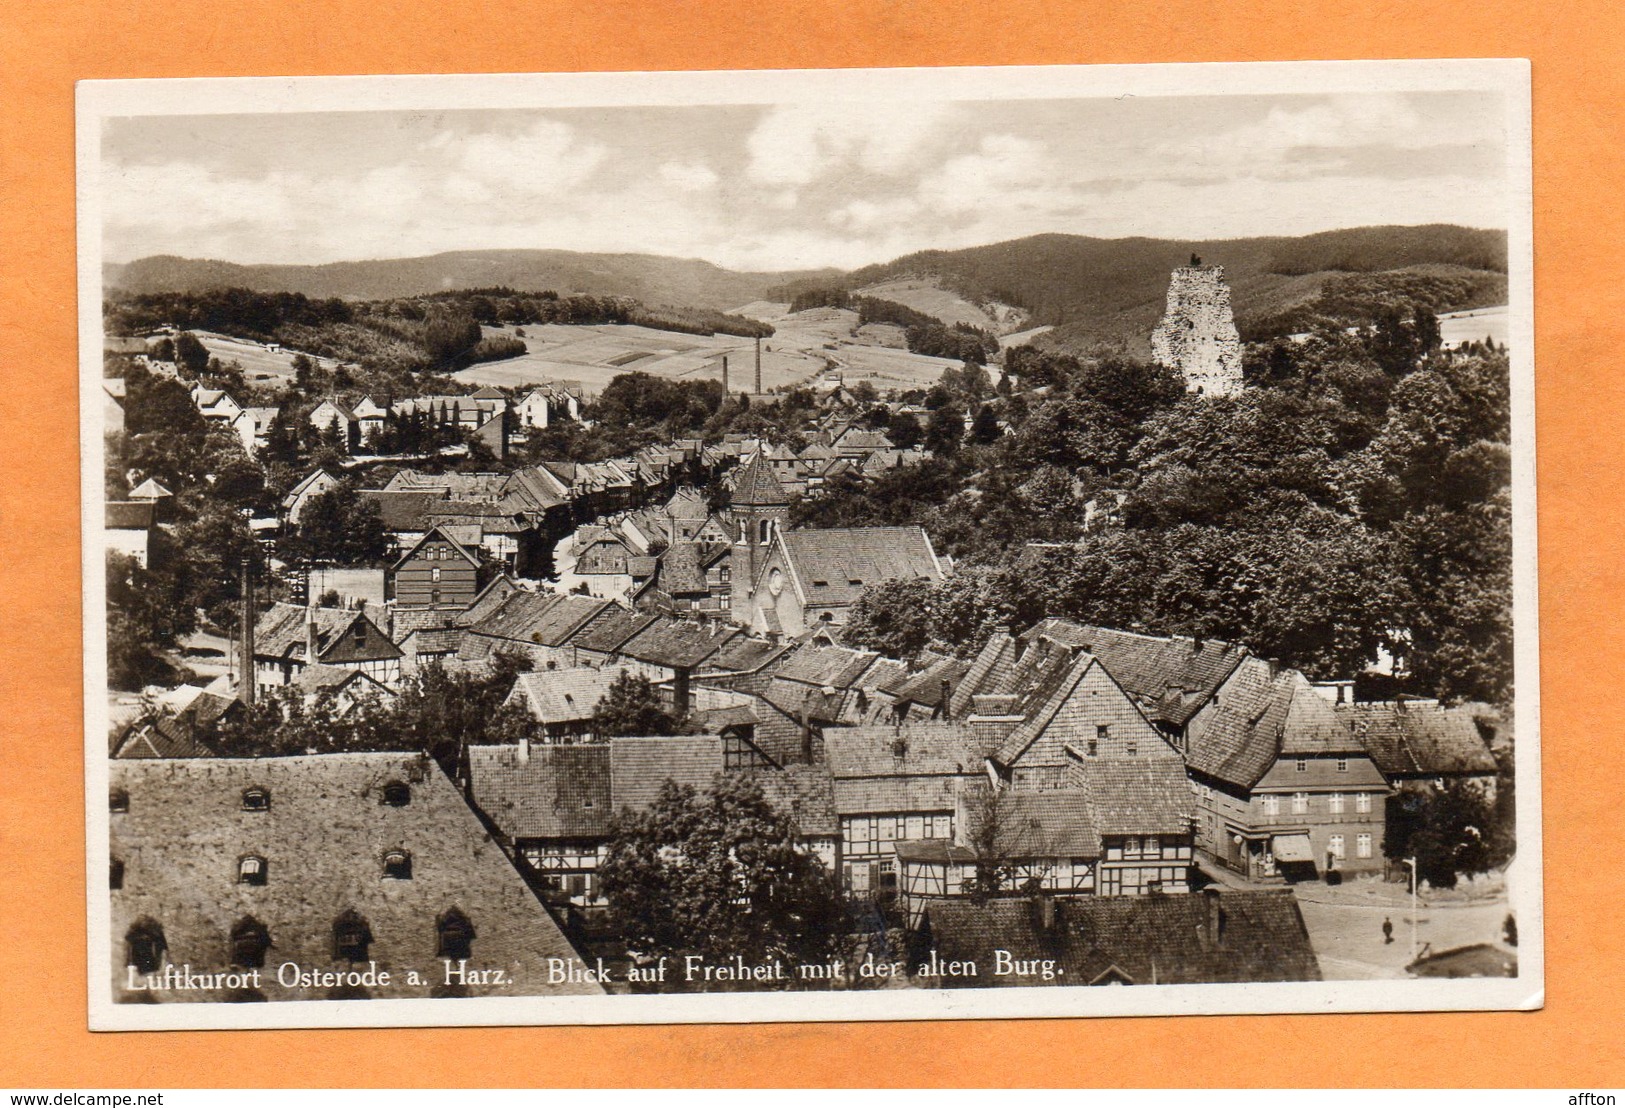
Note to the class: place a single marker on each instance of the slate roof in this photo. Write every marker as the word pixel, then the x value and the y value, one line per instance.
pixel 1165 939
pixel 129 515
pixel 807 794
pixel 563 695
pixel 1170 678
pixel 677 643
pixel 556 792
pixel 833 566
pixel 756 485
pixel 544 618
pixel 322 840
pixel 745 654
pixel 1137 796
pixel 150 489
pixel 402 511
pixel 837 667
pixel 305 482
pixel 925 687
pixel 871 776
pixel 444 532
pixel 639 767
pixel 280 632
pixel 1261 714
pixel 1051 823
pixel 171 737
pixel 607 633
pixel 1413 738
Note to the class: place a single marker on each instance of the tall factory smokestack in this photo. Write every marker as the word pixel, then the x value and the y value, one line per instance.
pixel 245 628
pixel 758 365
pixel 725 375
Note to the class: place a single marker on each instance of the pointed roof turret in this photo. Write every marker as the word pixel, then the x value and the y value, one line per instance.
pixel 757 487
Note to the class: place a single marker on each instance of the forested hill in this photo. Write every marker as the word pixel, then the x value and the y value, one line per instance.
pixel 1104 289
pixel 649 278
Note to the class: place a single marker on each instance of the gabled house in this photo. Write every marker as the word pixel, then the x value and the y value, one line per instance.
pixel 1416 740
pixel 563 701
pixel 253 427
pixel 1209 937
pixel 435 572
pixel 231 867
pixel 288 637
pixel 350 690
pixel 216 404
pixel 313 484
pixel 541 625
pixel 332 416
pixel 813 577
pixel 1284 788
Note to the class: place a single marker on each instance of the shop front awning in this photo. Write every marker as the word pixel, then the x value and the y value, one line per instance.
pixel 1291 848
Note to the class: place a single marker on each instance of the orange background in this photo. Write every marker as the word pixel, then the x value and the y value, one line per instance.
pixel 1577 49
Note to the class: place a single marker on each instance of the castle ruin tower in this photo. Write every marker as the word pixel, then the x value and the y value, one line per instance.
pixel 1197 335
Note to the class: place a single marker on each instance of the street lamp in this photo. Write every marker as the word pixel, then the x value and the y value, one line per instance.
pixel 1411 862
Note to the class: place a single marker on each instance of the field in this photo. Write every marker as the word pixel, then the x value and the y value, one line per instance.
pixel 259 364
pixel 805 346
pixel 1474 324
pixel 924 296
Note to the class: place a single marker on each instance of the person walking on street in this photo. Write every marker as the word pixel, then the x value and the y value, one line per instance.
pixel 1387 930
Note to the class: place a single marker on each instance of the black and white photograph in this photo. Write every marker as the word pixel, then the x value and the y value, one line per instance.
pixel 833 545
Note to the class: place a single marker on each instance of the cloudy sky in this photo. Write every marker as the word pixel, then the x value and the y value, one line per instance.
pixel 795 186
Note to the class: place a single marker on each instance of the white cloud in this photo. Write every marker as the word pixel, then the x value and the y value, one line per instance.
pixel 689 176
pixel 1001 167
pixel 797 144
pixel 544 159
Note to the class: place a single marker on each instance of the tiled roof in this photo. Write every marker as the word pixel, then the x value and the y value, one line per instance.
pixel 756 486
pixel 150 489
pixel 305 483
pixel 1052 823
pixel 1151 668
pixel 878 795
pixel 402 511
pixel 640 767
pixel 833 566
pixel 441 531
pixel 161 738
pixel 1176 939
pixel 563 695
pixel 280 632
pixel 834 666
pixel 607 633
pixel 677 643
pixel 1411 738
pixel 544 618
pixel 554 792
pixel 1261 714
pixel 1137 796
pixel 804 793
pixel 129 515
pixel 489 600
pixel 925 687
pixel 322 840
pixel 437 640
pixel 928 748
pixel 745 654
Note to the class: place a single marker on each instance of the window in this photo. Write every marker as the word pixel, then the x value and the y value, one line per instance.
pixel 249 942
pixel 434 573
pixel 1303 764
pixel 256 800
pixel 397 794
pixel 1362 802
pixel 1103 730
pixel 144 946
pixel 1334 804
pixel 351 937
pixel 1272 805
pixel 1334 847
pixel 454 934
pixel 118 801
pixel 1153 846
pixel 1300 803
pixel 398 865
pixel 1362 846
pixel 115 874
pixel 1342 765
pixel 1094 748
pixel 251 870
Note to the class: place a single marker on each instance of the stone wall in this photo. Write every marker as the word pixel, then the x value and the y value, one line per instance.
pixel 1197 335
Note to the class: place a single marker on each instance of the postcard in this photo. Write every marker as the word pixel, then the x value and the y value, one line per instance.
pixel 838 545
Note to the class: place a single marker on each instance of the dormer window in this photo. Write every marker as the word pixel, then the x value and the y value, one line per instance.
pixel 118 801
pixel 351 937
pixel 144 946
pixel 256 800
pixel 454 935
pixel 251 870
pixel 398 865
pixel 397 794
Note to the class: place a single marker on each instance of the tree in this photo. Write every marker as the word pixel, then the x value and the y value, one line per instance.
pixel 1449 831
pixel 338 527
pixel 191 356
pixel 893 617
pixel 720 875
pixel 945 431
pixel 984 429
pixel 631 707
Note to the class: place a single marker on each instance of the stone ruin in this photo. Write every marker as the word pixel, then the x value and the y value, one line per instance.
pixel 1197 335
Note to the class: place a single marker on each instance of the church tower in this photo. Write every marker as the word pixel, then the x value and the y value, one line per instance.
pixel 757 511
